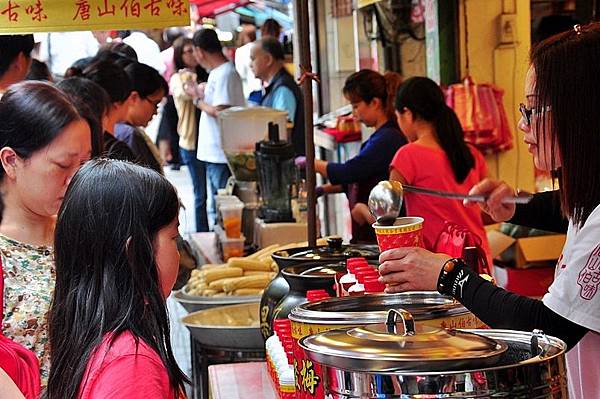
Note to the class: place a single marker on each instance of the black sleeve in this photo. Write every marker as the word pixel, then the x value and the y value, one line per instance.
pixel 542 212
pixel 499 308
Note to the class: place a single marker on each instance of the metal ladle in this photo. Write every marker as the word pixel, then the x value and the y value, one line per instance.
pixel 385 200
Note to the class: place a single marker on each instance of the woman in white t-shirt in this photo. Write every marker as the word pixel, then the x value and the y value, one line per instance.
pixel 561 126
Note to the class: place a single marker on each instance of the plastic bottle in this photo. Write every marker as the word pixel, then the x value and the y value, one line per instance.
pixel 349 279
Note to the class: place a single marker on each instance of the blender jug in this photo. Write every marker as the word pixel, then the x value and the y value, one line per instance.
pixel 275 160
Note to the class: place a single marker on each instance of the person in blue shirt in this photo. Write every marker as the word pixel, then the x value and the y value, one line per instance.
pixel 372 97
pixel 282 93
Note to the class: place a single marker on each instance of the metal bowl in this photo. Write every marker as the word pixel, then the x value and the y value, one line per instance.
pixel 227 327
pixel 194 303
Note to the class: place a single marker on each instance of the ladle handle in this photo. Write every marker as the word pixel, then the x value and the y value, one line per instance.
pixel 522 198
pixel 407 321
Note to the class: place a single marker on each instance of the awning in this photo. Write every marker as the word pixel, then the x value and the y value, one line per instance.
pixel 208 8
pixel 364 3
pixel 262 14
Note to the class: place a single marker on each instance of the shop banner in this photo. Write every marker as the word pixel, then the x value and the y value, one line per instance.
pixel 28 16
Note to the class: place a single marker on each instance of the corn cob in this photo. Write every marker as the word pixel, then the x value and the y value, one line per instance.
pixel 209 292
pixel 257 273
pixel 211 275
pixel 213 266
pixel 218 284
pixel 247 282
pixel 264 252
pixel 249 264
pixel 248 291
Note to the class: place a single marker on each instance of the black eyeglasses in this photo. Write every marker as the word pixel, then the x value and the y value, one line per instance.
pixel 527 113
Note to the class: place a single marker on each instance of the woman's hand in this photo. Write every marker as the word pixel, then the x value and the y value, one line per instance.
pixel 410 269
pixel 495 191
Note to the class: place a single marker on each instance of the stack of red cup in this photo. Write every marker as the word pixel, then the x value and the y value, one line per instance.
pixel 316 295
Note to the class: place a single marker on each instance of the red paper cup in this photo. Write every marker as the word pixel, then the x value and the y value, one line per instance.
pixel 405 232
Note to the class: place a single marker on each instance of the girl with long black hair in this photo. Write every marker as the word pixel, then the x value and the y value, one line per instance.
pixel 437 157
pixel 115 265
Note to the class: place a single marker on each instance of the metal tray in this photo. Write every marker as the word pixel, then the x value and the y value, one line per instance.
pixel 193 303
pixel 227 327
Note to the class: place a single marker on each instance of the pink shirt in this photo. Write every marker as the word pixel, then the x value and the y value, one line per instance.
pixel 430 168
pixel 124 371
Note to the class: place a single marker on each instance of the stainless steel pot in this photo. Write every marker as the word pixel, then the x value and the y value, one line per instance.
pixel 428 308
pixel 372 365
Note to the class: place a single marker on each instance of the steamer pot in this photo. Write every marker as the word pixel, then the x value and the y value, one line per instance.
pixel 391 361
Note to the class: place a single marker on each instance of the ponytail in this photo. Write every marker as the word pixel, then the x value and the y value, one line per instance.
pixel 424 98
pixel 451 138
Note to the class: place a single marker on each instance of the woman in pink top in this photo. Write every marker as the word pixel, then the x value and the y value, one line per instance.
pixel 116 262
pixel 436 157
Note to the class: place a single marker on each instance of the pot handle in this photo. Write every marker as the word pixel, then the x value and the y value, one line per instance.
pixel 536 348
pixel 407 321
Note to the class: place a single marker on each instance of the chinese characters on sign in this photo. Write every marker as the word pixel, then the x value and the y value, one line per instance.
pixel 36 11
pixel 131 7
pixel 11 11
pixel 309 380
pixel 27 16
pixel 83 10
pixel 177 7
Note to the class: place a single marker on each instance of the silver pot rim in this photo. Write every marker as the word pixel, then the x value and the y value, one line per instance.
pixel 554 347
pixel 434 305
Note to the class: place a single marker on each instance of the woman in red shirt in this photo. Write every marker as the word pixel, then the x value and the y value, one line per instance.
pixel 116 262
pixel 437 157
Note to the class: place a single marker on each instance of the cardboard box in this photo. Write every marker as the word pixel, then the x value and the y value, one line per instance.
pixel 532 282
pixel 525 252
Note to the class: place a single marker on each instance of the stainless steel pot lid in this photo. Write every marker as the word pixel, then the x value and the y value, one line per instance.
pixel 371 309
pixel 399 346
pixel 334 250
